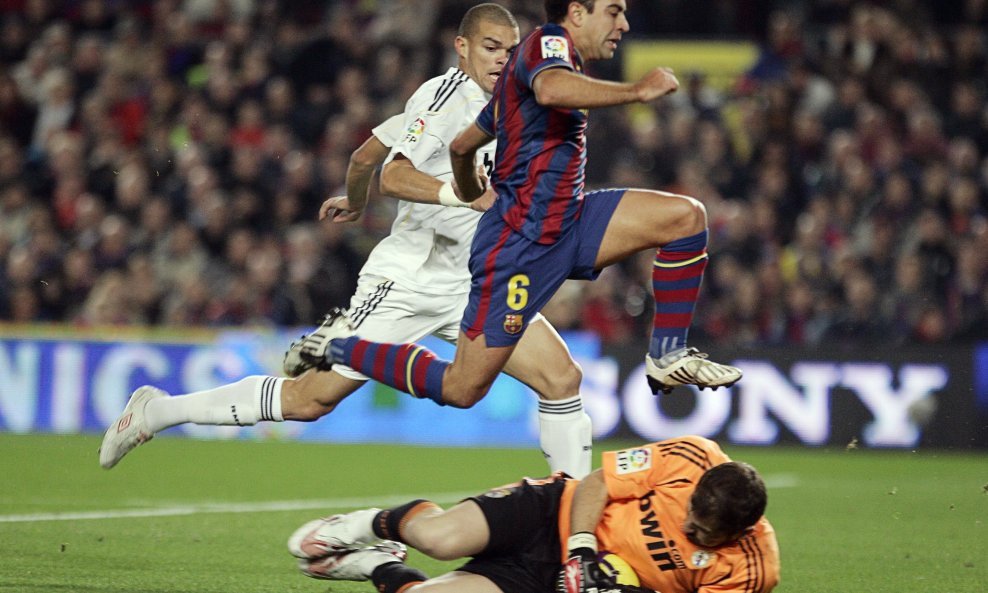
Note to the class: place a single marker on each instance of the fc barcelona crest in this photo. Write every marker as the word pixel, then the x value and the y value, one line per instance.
pixel 513 323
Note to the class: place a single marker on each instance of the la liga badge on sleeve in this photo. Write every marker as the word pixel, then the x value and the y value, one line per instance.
pixel 554 46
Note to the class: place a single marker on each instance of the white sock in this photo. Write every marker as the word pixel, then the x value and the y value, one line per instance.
pixel 243 403
pixel 566 435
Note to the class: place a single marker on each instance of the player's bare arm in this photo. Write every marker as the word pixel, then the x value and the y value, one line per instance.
pixel 589 501
pixel 564 89
pixel 359 174
pixel 363 161
pixel 463 155
pixel 400 179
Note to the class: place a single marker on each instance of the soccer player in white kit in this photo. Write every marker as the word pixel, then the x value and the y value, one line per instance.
pixel 415 282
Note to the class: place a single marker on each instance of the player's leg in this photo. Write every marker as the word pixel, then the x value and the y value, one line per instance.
pixel 253 399
pixel 315 394
pixel 381 309
pixel 474 368
pixel 457 532
pixel 677 227
pixel 455 582
pixel 241 403
pixel 512 278
pixel 378 306
pixel 409 367
pixel 445 535
pixel 543 362
pixel 384 566
pixel 506 527
pixel 646 219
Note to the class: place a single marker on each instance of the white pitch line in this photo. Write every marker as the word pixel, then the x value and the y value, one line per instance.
pixel 275 506
pixel 235 507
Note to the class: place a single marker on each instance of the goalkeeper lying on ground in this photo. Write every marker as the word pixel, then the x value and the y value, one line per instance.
pixel 683 516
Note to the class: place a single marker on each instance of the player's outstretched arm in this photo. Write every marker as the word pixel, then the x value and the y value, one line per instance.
pixel 565 89
pixel 463 155
pixel 359 174
pixel 360 171
pixel 589 501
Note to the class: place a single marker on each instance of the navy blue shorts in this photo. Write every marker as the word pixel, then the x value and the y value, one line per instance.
pixel 514 277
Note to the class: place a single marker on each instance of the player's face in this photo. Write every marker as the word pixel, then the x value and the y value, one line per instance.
pixel 604 28
pixel 483 54
pixel 703 532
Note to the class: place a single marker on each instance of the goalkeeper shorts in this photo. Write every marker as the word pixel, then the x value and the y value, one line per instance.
pixel 523 553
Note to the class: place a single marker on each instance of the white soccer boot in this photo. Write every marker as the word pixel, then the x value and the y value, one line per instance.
pixel 354 565
pixel 310 350
pixel 130 429
pixel 688 367
pixel 333 535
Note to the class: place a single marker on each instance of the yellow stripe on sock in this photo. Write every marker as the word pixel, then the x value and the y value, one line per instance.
pixel 408 371
pixel 680 264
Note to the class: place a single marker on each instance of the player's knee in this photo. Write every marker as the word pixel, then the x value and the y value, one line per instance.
pixel 562 382
pixel 465 398
pixel 461 391
pixel 692 215
pixel 440 541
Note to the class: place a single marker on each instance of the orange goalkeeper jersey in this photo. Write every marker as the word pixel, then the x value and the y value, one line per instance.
pixel 648 490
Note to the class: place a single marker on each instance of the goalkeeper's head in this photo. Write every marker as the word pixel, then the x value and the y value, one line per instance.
pixel 729 498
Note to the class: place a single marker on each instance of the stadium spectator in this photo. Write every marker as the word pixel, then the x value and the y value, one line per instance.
pixel 142 95
pixel 679 512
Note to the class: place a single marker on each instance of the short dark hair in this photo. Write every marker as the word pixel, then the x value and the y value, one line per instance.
pixel 490 12
pixel 731 496
pixel 555 10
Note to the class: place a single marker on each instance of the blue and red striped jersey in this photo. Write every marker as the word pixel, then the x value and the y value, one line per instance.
pixel 541 151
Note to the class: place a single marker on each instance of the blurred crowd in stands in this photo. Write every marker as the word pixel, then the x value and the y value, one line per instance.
pixel 162 163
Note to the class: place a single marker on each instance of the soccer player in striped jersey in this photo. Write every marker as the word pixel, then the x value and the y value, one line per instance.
pixel 544 228
pixel 684 516
pixel 416 280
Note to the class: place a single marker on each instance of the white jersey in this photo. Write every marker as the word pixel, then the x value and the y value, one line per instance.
pixel 429 245
pixel 390 130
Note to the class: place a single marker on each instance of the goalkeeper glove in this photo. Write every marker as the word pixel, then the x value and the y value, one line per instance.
pixel 581 573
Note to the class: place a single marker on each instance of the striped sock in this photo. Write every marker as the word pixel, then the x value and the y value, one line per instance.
pixel 410 368
pixel 676 277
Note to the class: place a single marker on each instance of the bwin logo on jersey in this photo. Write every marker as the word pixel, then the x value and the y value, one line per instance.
pixel 554 46
pixel 415 130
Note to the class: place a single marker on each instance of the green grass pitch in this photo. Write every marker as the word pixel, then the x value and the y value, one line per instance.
pixel 185 516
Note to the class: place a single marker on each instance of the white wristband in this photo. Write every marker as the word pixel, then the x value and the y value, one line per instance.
pixel 583 539
pixel 447 197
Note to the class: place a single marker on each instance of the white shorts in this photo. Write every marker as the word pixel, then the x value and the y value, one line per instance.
pixel 384 311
